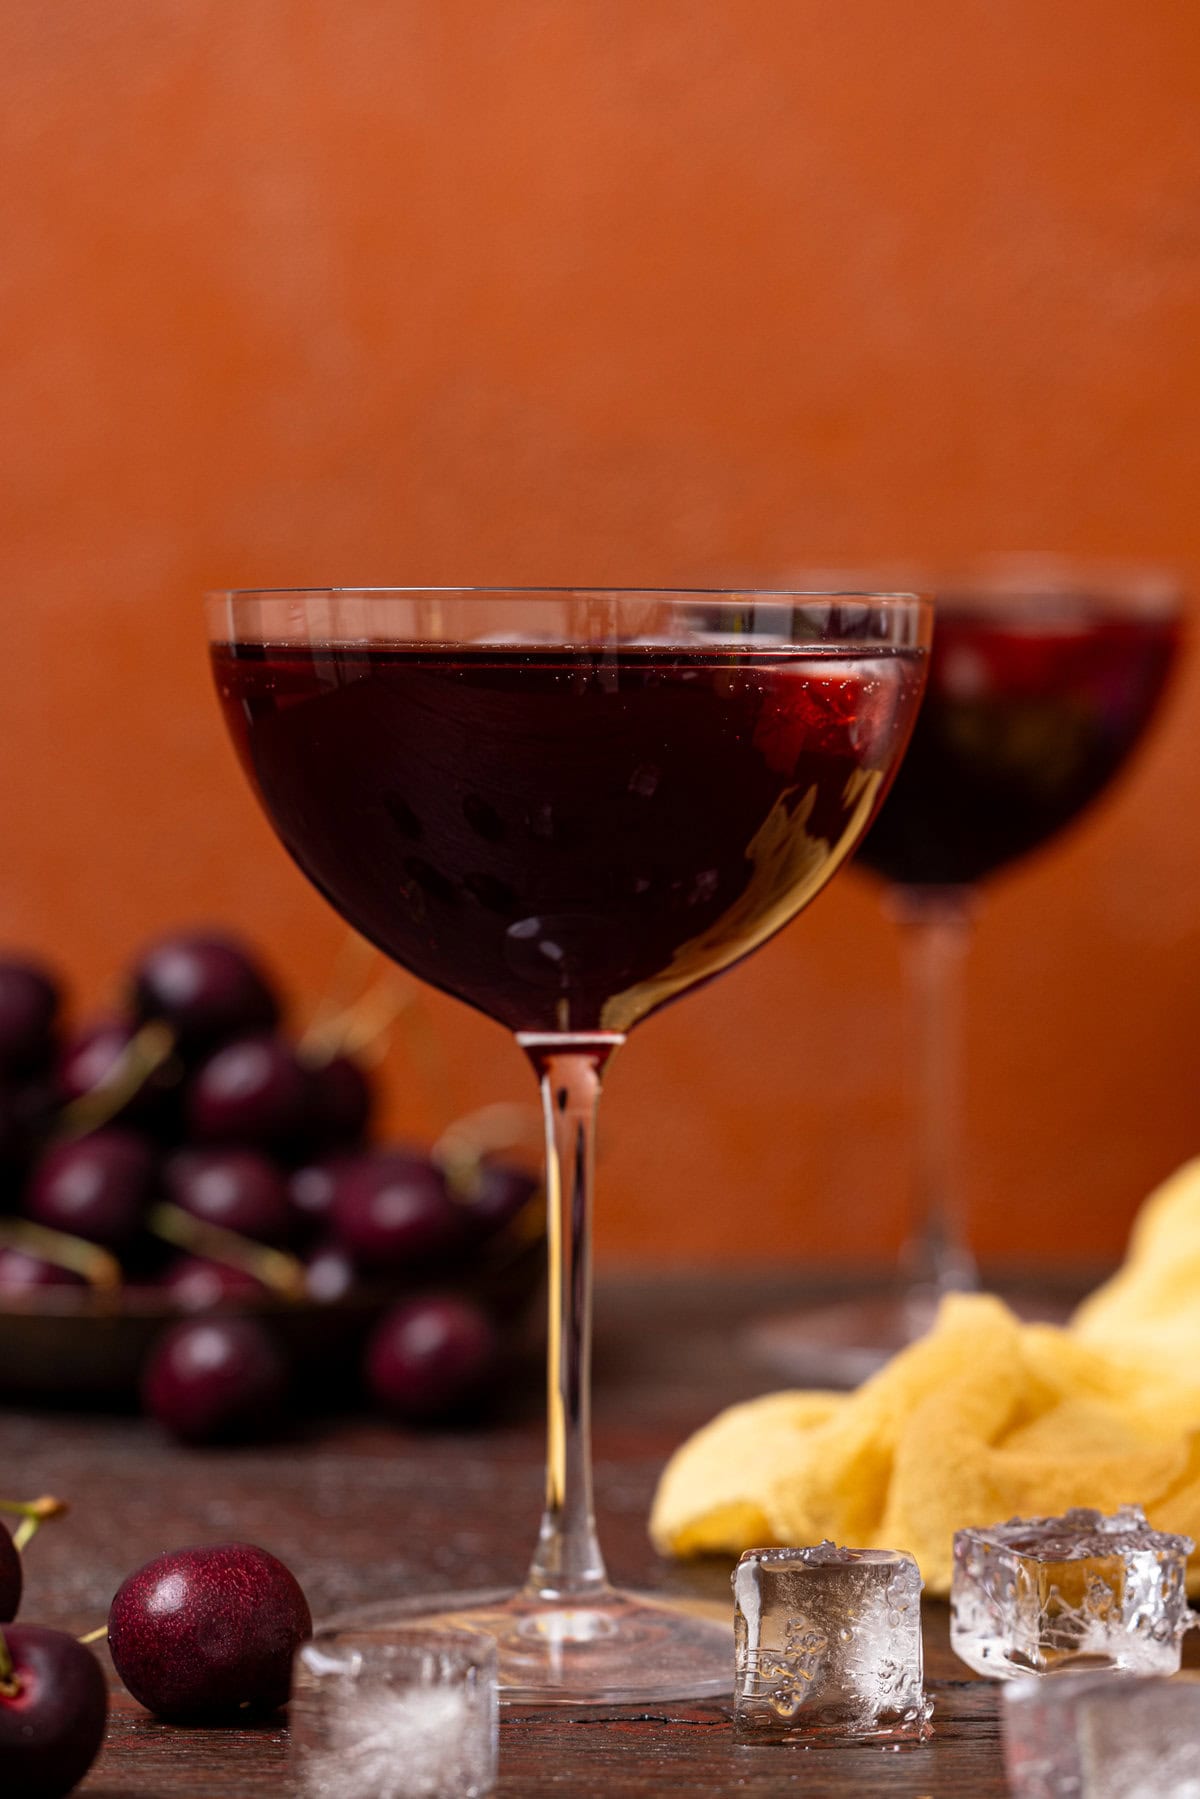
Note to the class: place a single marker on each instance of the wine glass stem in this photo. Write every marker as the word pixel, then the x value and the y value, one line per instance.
pixel 936 923
pixel 567 1562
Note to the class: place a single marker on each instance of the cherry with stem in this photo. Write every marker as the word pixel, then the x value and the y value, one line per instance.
pixel 53 1710
pixel 33 1513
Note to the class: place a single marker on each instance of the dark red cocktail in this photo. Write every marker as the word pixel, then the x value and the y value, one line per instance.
pixel 566 840
pixel 1026 719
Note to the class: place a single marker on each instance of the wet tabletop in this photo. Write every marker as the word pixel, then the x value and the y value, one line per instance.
pixel 360 1511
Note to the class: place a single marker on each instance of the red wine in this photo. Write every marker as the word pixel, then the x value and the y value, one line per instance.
pixel 1023 723
pixel 566 839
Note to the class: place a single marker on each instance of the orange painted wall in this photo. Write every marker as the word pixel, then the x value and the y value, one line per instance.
pixel 601 290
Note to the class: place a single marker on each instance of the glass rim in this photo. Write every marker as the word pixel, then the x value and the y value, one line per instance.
pixel 425 616
pixel 1064 582
pixel 1029 578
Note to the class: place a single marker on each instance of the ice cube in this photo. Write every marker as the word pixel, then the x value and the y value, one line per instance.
pixel 1103 1736
pixel 394 1715
pixel 1146 1745
pixel 1037 1595
pixel 828 1646
pixel 1041 1743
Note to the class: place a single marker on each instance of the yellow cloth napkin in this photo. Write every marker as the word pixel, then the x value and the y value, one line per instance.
pixel 983 1419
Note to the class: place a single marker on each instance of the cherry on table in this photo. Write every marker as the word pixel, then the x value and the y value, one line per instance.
pixel 216 1380
pixel 432 1357
pixel 394 1214
pixel 53 1707
pixel 238 1189
pixel 206 1634
pixel 207 986
pixel 97 1187
pixel 252 1092
pixel 29 1002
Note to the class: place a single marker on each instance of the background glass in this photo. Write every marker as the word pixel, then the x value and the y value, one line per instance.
pixel 1044 676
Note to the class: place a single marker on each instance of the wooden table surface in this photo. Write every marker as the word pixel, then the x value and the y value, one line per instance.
pixel 359 1510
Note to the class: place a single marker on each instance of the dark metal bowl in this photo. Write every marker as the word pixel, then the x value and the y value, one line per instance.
pixel 76 1345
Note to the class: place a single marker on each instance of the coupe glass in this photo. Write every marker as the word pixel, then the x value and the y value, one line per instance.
pixel 1043 679
pixel 567 808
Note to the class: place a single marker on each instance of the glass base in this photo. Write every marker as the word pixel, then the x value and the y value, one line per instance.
pixel 843 1344
pixel 617 1648
pixel 836 1345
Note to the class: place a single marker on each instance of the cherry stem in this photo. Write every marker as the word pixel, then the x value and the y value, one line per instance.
pixel 98 1268
pixel 353 1019
pixel 353 967
pixel 10 1686
pixel 464 1146
pixel 281 1272
pixel 146 1052
pixel 94 1636
pixel 33 1513
pixel 361 1029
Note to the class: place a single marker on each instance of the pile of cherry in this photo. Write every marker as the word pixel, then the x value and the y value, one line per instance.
pixel 199 1636
pixel 188 1145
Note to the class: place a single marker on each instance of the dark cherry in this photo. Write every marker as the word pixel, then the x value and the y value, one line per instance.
pixel 432 1358
pixel 22 1273
pixel 310 1192
pixel 14 1140
pixel 253 1092
pixel 90 1056
pixel 52 1726
pixel 329 1274
pixel 196 1285
pixel 342 1100
pixel 96 1187
pixel 238 1189
pixel 207 986
pixel 208 1634
pixel 29 1002
pixel 500 1194
pixel 12 1577
pixel 393 1213
pixel 36 1104
pixel 90 1059
pixel 215 1380
pixel 27 1114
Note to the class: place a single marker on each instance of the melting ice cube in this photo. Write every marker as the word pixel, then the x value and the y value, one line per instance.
pixel 828 1646
pixel 1102 1736
pixel 399 1715
pixel 1146 1745
pixel 1037 1595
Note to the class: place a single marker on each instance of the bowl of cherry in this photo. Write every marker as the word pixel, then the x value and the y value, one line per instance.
pixel 193 1209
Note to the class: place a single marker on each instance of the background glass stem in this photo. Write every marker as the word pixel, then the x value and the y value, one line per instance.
pixel 567 1562
pixel 936 924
